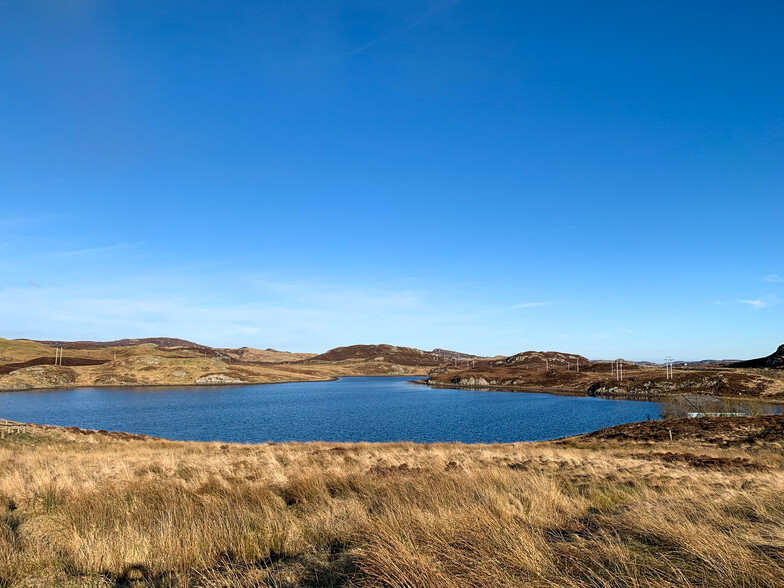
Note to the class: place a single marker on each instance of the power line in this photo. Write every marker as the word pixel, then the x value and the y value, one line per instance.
pixel 668 366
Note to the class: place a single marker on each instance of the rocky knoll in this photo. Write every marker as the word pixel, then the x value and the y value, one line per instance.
pixel 774 360
pixel 647 386
pixel 39 376
pixel 449 354
pixel 407 356
pixel 162 342
pixel 545 360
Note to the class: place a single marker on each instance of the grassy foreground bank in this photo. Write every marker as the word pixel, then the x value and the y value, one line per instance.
pixel 618 508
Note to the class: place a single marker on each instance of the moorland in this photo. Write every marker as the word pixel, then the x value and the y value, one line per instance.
pixel 625 506
pixel 26 365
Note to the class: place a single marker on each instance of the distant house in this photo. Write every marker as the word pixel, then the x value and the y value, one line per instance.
pixel 706 405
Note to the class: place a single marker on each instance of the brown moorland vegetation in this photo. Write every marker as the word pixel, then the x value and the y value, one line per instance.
pixel 381 353
pixel 175 362
pixel 553 371
pixel 620 507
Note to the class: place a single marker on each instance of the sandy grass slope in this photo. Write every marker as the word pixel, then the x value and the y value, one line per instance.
pixel 79 509
pixel 30 365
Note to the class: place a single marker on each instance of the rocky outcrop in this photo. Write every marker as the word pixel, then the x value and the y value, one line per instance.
pixel 774 360
pixel 49 376
pixel 406 356
pixel 544 359
pixel 116 380
pixel 212 379
pixel 449 354
pixel 777 359
pixel 11 384
pixel 471 381
pixel 717 385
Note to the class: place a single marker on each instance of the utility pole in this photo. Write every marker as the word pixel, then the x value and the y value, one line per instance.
pixel 668 365
pixel 578 365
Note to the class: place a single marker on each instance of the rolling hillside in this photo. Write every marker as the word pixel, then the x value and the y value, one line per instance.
pixel 26 364
pixel 405 356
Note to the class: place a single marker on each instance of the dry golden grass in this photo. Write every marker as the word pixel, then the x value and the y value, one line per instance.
pixel 149 365
pixel 79 509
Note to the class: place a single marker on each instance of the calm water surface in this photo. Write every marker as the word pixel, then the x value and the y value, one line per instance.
pixel 349 409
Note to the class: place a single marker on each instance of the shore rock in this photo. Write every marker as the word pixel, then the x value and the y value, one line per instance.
pixel 471 381
pixel 46 376
pixel 218 379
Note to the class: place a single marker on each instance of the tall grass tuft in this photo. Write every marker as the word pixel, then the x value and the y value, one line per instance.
pixel 78 510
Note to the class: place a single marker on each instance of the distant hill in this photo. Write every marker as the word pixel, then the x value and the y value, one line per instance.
pixel 774 360
pixel 249 354
pixel 446 353
pixel 164 342
pixel 706 362
pixel 242 354
pixel 382 353
pixel 27 365
pixel 541 359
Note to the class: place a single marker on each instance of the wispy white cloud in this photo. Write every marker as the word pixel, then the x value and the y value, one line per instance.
pixel 773 278
pixel 532 304
pixel 755 304
pixel 94 250
pixel 293 315
pixel 433 11
pixel 9 223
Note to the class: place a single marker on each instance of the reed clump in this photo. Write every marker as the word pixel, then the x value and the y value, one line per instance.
pixel 80 509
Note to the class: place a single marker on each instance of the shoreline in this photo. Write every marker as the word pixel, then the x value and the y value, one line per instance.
pixel 659 398
pixel 125 435
pixel 194 385
pixel 183 385
pixel 22 427
pixel 562 392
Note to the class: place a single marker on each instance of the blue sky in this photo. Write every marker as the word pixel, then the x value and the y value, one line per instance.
pixel 604 178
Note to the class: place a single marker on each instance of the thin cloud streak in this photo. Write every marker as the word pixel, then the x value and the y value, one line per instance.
pixel 431 13
pixel 24 222
pixel 532 304
pixel 94 250
pixel 755 304
pixel 773 278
